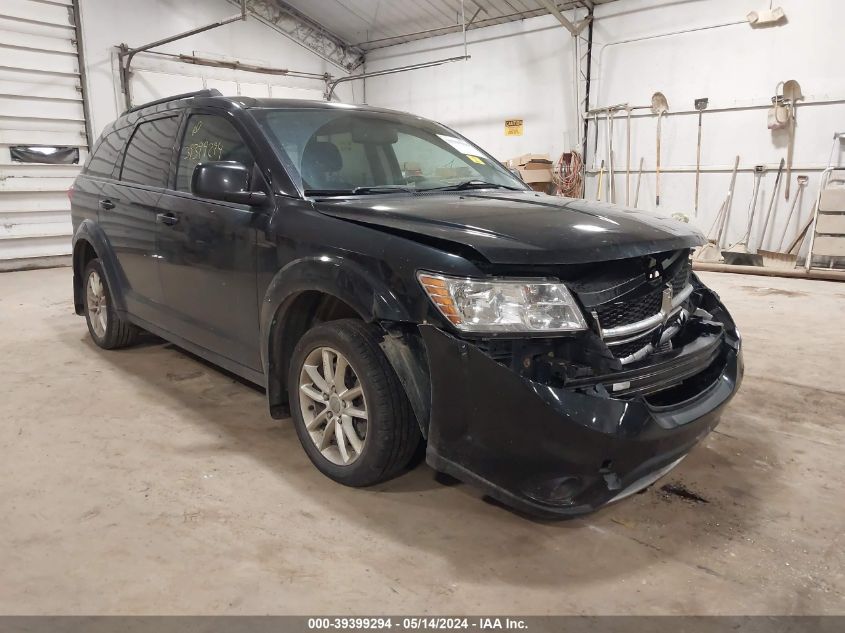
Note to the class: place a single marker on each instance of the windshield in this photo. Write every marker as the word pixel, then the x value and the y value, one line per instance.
pixel 342 152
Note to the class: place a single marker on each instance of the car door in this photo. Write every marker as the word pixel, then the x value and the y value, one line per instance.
pixel 208 248
pixel 128 211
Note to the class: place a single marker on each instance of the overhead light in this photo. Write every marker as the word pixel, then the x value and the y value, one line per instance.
pixel 766 17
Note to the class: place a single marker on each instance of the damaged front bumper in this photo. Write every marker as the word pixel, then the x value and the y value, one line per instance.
pixel 561 449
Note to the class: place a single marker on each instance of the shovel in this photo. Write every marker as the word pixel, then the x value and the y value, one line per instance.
pixel 611 189
pixel 771 205
pixel 738 253
pixel 779 258
pixel 728 204
pixel 595 138
pixel 600 184
pixel 710 252
pixel 701 106
pixel 659 106
pixel 791 92
pixel 639 180
pixel 628 156
pixel 802 183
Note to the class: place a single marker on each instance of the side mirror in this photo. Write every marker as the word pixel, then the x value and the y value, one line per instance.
pixel 227 181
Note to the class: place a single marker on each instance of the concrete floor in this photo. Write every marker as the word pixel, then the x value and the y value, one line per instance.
pixel 144 481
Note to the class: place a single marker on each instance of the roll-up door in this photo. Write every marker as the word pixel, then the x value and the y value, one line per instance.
pixel 43 138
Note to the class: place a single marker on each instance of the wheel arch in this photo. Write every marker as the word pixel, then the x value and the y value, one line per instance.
pixel 320 289
pixel 90 242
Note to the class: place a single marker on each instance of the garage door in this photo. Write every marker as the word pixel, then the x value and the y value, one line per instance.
pixel 42 129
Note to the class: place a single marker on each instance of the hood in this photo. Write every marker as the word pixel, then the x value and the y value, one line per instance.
pixel 520 227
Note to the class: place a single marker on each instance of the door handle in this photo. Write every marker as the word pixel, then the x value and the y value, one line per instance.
pixel 106 205
pixel 166 218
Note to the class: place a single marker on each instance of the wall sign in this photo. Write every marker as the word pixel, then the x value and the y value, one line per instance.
pixel 513 127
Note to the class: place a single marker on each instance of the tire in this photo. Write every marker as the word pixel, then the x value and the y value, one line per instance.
pixel 107 329
pixel 389 435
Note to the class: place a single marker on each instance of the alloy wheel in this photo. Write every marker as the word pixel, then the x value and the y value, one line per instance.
pixel 333 405
pixel 97 304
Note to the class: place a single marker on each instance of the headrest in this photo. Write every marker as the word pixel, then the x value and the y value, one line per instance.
pixel 321 156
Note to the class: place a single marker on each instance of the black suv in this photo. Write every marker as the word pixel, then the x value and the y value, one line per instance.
pixel 388 282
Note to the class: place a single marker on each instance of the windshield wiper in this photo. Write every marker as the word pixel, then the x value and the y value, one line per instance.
pixel 360 190
pixel 471 184
pixel 382 189
pixel 328 192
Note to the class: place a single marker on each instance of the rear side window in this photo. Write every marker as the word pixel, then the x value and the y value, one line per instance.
pixel 209 137
pixel 147 159
pixel 105 156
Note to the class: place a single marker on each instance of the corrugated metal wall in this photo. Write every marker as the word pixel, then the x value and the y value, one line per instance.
pixel 41 103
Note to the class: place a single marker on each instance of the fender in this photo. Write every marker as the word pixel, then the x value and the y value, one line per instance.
pixel 405 351
pixel 91 232
pixel 332 275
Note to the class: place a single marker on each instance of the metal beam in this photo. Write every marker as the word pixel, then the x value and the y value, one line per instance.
pixel 574 29
pixel 126 54
pixel 238 65
pixel 586 74
pixel 297 26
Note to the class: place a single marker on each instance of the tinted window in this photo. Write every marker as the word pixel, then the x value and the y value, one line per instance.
pixel 147 159
pixel 209 138
pixel 106 154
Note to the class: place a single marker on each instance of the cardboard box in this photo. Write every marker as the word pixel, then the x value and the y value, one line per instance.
pixel 530 161
pixel 539 173
pixel 532 168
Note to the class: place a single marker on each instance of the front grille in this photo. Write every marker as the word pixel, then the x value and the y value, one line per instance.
pixel 628 311
pixel 625 312
pixel 626 349
pixel 681 277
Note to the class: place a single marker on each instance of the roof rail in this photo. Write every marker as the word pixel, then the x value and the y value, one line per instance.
pixel 211 92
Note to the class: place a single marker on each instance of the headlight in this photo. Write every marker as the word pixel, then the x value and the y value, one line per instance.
pixel 503 305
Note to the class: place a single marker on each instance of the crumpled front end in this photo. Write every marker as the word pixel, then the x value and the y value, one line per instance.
pixel 560 426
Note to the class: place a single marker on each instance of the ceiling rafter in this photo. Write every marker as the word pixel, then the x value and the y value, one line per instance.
pixel 306 31
pixel 400 22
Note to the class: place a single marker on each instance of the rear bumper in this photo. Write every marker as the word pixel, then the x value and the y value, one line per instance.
pixel 562 452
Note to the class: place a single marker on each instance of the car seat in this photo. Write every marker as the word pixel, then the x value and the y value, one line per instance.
pixel 321 160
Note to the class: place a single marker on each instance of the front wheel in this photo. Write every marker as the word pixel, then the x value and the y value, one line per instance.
pixel 106 327
pixel 351 413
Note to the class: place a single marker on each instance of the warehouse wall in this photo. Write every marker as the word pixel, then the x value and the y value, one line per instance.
pixel 518 70
pixel 733 65
pixel 109 23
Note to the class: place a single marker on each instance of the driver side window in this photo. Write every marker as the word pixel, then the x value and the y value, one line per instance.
pixel 209 137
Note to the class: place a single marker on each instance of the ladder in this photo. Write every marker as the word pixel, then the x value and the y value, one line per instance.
pixel 827 236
